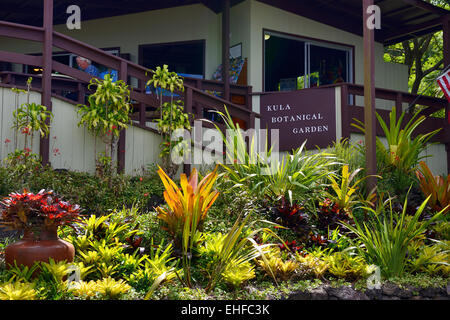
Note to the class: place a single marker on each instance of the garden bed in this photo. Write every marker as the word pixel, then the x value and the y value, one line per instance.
pixel 305 228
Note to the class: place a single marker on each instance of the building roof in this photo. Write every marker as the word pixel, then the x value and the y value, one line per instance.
pixel 401 19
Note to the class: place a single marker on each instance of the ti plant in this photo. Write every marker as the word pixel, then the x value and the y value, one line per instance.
pixel 437 187
pixel 108 112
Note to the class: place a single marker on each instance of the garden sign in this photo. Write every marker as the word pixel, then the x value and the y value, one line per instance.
pixel 299 116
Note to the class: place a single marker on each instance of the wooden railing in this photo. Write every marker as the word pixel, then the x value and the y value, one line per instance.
pixel 195 97
pixel 402 101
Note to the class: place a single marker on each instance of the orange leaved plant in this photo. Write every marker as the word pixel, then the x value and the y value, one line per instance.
pixel 438 187
pixel 187 206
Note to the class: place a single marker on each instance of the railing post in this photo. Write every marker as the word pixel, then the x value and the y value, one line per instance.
pixel 142 107
pixel 46 97
pixel 399 105
pixel 248 98
pixel 345 112
pixel 188 109
pixel 121 147
pixel 81 93
pixel 251 123
pixel 226 49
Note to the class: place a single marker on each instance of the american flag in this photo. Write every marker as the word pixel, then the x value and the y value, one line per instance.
pixel 444 83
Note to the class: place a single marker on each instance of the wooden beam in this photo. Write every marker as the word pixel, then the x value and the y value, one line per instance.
pixel 421 29
pixel 427 6
pixel 47 52
pixel 226 49
pixel 369 97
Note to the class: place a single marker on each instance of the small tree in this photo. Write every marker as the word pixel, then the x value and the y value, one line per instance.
pixel 172 115
pixel 107 114
pixel 29 118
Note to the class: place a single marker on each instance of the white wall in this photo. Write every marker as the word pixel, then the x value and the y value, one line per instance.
pixel 73 147
pixel 9 102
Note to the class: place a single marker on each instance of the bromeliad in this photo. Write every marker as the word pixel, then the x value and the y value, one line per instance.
pixel 188 205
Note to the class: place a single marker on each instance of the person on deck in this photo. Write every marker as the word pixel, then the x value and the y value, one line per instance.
pixel 87 66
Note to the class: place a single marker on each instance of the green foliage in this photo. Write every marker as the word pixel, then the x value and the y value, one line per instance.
pixel 402 151
pixel 108 112
pixel 20 273
pixel 386 236
pixel 345 193
pixel 187 207
pixel 112 289
pixel 93 194
pixel 32 117
pixel 437 187
pixel 173 118
pixel 17 291
pixel 237 248
pixel 312 264
pixel 263 174
pixel 172 115
pixel 274 265
pixel 160 264
pixel 238 273
pixel 300 172
pixel 345 266
pixel 432 259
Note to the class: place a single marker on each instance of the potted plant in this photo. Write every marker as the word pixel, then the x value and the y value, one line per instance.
pixel 38 216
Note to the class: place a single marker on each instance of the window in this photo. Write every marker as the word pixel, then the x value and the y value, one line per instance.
pixel 185 58
pixel 294 63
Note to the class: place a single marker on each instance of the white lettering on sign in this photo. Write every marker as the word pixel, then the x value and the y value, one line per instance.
pixel 312 129
pixel 278 107
pixel 298 117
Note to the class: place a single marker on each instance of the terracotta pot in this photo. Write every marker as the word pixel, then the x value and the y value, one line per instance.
pixel 32 248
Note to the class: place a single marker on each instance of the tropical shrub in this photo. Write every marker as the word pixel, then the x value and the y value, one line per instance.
pixel 172 115
pixel 387 235
pixel 17 291
pixel 293 217
pixel 274 265
pixel 432 259
pixel 344 194
pixel 108 112
pixel 266 176
pixel 343 265
pixel 32 212
pixel 187 206
pixel 403 150
pixel 437 187
pixel 312 264
pixel 397 161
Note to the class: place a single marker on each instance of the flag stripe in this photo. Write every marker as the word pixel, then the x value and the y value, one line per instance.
pixel 444 83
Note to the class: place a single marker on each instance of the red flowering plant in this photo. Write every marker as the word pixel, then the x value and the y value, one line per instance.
pixel 34 212
pixel 330 215
pixel 293 217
